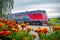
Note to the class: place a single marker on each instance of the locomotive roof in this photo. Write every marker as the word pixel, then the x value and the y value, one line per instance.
pixel 27 12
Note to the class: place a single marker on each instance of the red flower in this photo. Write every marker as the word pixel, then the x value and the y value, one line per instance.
pixel 10 26
pixel 8 22
pixel 16 25
pixel 23 25
pixel 1 33
pixel 45 30
pixel 38 30
pixel 8 32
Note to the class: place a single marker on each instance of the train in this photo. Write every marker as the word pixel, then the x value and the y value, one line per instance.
pixel 37 17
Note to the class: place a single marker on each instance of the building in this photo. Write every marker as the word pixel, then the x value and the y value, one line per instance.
pixel 6 7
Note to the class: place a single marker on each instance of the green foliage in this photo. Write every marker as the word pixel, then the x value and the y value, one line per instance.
pixel 58 24
pixel 21 36
pixel 1 29
pixel 42 36
pixel 57 33
pixel 5 38
pixel 51 36
pixel 54 21
pixel 13 35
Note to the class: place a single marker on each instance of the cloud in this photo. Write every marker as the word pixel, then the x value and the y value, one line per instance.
pixel 41 1
pixel 52 7
pixel 21 3
pixel 49 7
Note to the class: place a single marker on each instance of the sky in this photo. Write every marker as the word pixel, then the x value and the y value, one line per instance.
pixel 52 7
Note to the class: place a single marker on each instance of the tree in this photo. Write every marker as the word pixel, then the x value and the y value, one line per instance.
pixel 5 7
pixel 1 8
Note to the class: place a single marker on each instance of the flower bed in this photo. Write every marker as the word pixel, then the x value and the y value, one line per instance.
pixel 9 30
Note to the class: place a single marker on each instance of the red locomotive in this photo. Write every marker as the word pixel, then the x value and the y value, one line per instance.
pixel 33 17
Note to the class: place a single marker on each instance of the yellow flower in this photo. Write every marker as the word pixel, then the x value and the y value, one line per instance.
pixel 25 38
pixel 27 23
pixel 13 21
pixel 13 39
pixel 28 28
pixel 14 29
pixel 1 24
pixel 1 19
pixel 56 28
pixel 35 35
pixel 23 25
